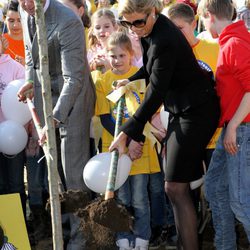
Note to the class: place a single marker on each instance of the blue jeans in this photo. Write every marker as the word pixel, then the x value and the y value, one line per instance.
pixel 227 189
pixel 134 193
pixel 157 200
pixel 37 179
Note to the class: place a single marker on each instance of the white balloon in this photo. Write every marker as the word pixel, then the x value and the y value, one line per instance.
pixel 11 107
pixel 96 171
pixel 13 137
pixel 164 115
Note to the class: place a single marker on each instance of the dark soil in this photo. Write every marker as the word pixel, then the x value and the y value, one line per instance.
pixel 110 215
pixel 72 200
pixel 97 237
pixel 100 220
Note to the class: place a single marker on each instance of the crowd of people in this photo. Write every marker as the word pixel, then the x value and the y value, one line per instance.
pixel 200 79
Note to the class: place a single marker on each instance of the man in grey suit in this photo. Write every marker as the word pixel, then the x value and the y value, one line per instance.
pixel 72 88
pixel 71 84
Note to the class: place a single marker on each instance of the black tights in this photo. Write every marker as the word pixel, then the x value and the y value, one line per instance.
pixel 184 213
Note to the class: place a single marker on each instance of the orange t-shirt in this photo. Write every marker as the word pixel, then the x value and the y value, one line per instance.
pixel 16 47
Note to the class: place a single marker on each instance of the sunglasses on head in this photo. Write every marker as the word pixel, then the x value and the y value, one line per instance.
pixel 139 23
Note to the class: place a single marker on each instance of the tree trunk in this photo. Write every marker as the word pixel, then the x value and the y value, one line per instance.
pixel 50 146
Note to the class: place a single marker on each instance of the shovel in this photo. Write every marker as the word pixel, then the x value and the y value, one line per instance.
pixel 108 213
pixel 109 194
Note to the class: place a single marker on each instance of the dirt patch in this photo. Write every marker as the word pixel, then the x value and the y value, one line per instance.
pixel 97 237
pixel 72 200
pixel 100 219
pixel 110 214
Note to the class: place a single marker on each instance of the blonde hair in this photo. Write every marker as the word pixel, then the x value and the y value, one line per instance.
pixel 103 12
pixel 139 6
pixel 222 9
pixel 121 39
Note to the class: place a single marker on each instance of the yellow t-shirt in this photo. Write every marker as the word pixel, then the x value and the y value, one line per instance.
pixel 148 163
pixel 206 52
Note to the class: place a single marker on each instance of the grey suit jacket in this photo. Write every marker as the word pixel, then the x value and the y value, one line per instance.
pixel 72 88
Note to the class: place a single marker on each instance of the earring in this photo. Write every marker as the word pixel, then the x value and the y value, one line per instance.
pixel 153 16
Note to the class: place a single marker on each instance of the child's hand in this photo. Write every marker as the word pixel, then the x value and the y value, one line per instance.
pixel 20 59
pixel 230 142
pixel 5 44
pixel 135 150
pixel 102 62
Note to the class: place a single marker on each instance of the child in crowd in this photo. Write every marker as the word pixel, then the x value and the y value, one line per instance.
pixel 103 24
pixel 14 36
pixel 227 183
pixel 11 167
pixel 133 194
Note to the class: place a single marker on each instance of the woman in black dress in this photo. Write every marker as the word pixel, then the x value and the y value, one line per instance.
pixel 174 78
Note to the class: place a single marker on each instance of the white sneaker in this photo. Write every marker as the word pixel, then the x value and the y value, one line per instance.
pixel 141 244
pixel 123 244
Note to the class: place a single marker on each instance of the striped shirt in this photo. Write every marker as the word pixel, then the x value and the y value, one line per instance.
pixel 8 246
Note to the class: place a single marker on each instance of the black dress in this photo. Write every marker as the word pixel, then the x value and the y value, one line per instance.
pixel 175 79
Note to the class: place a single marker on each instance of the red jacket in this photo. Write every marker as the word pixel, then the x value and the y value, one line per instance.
pixel 233 69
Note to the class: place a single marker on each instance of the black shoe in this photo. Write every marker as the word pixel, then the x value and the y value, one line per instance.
pixel 169 235
pixel 155 241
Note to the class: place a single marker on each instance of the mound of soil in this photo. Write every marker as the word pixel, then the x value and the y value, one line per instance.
pixel 97 237
pixel 110 214
pixel 100 219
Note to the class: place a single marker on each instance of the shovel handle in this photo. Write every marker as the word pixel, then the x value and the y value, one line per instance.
pixel 109 194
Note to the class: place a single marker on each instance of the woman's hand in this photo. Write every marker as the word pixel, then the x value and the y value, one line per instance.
pixel 120 83
pixel 119 143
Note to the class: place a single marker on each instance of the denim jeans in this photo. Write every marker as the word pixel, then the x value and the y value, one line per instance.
pixel 157 200
pixel 227 189
pixel 12 176
pixel 37 179
pixel 134 193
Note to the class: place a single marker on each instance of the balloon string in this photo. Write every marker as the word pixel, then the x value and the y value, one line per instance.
pixel 44 157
